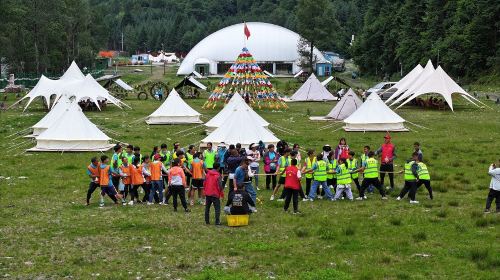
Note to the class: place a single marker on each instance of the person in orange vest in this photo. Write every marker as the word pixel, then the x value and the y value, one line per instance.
pixel 177 181
pixel 156 167
pixel 147 178
pixel 105 181
pixel 197 179
pixel 137 180
pixel 93 173
pixel 126 180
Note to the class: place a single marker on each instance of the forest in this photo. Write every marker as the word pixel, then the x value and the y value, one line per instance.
pixel 39 36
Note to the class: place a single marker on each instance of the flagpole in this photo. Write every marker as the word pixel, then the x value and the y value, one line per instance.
pixel 244 36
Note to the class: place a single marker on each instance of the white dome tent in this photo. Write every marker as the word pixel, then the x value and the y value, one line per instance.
pixel 440 83
pixel 174 110
pixel 52 116
pixel 241 129
pixel 269 44
pixel 72 132
pixel 235 105
pixel 374 115
pixel 312 90
pixel 405 82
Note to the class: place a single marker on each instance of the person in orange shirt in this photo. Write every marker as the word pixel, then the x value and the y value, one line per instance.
pixel 136 179
pixel 198 174
pixel 177 181
pixel 156 167
pixel 105 182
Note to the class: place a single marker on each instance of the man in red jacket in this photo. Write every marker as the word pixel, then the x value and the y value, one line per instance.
pixel 213 190
pixel 292 186
pixel 387 154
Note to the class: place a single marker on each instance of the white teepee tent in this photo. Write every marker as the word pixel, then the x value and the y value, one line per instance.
pixel 374 115
pixel 405 82
pixel 241 128
pixel 312 90
pixel 235 105
pixel 426 73
pixel 73 131
pixel 349 103
pixel 52 116
pixel 440 83
pixel 174 110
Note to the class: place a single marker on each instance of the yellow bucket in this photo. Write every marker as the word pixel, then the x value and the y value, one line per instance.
pixel 237 220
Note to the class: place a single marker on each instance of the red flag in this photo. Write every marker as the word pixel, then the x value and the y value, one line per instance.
pixel 246 31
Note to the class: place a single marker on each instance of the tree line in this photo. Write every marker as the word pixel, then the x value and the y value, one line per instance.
pixel 46 35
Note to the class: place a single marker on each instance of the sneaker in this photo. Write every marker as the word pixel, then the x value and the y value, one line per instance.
pixel 359 198
pixel 272 198
pixel 149 203
pixel 365 197
pixel 320 197
pixel 413 202
pixel 191 203
pixel 218 224
pixel 101 204
pixel 384 197
pixel 296 213
pixel 124 203
pixel 187 210
pixel 305 199
pixel 398 198
pixel 131 202
pixel 486 211
pixel 258 188
pixel 280 199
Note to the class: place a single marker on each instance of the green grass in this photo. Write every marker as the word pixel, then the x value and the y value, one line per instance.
pixel 46 232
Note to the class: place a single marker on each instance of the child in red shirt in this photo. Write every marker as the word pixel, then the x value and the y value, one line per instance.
pixel 292 186
pixel 213 191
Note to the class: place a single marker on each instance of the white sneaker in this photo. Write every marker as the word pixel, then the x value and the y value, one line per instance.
pixel 272 198
pixel 320 197
pixel 280 199
pixel 384 197
pixel 398 198
pixel 305 199
pixel 131 202
pixel 365 197
pixel 359 198
pixel 149 203
pixel 258 188
pixel 161 203
pixel 413 202
pixel 101 204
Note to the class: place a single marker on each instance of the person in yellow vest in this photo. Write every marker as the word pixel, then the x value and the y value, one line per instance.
pixel 370 174
pixel 320 171
pixel 411 179
pixel 353 165
pixel 283 163
pixel 364 157
pixel 189 159
pixel 129 154
pixel 344 180
pixel 209 157
pixel 307 170
pixel 93 173
pixel 331 177
pixel 424 178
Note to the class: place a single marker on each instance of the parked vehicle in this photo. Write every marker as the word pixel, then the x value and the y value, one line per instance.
pixel 381 89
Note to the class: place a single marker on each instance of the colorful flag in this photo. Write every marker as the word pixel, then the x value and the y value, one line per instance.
pixel 246 31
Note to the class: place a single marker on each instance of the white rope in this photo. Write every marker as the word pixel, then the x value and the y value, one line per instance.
pixel 188 129
pixel 421 126
pixel 18 132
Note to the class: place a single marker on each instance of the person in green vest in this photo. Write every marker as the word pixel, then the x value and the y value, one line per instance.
pixel 166 156
pixel 353 165
pixel 344 180
pixel 424 178
pixel 137 154
pixel 370 176
pixel 320 171
pixel 129 153
pixel 189 160
pixel 209 157
pixel 364 157
pixel 283 162
pixel 307 170
pixel 411 179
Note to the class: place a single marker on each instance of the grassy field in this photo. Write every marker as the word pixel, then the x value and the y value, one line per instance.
pixel 46 232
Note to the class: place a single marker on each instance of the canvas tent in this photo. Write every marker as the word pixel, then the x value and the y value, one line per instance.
pixel 174 110
pixel 241 128
pixel 72 131
pixel 440 83
pixel 192 82
pixel 123 85
pixel 52 116
pixel 312 90
pixel 89 88
pixel 349 103
pixel 374 115
pixel 405 82
pixel 426 73
pixel 235 106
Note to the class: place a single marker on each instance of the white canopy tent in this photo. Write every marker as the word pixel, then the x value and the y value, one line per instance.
pixel 174 110
pixel 241 128
pixel 235 106
pixel 52 116
pixel 349 103
pixel 312 90
pixel 426 73
pixel 73 73
pixel 374 115
pixel 405 82
pixel 89 88
pixel 440 83
pixel 72 131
